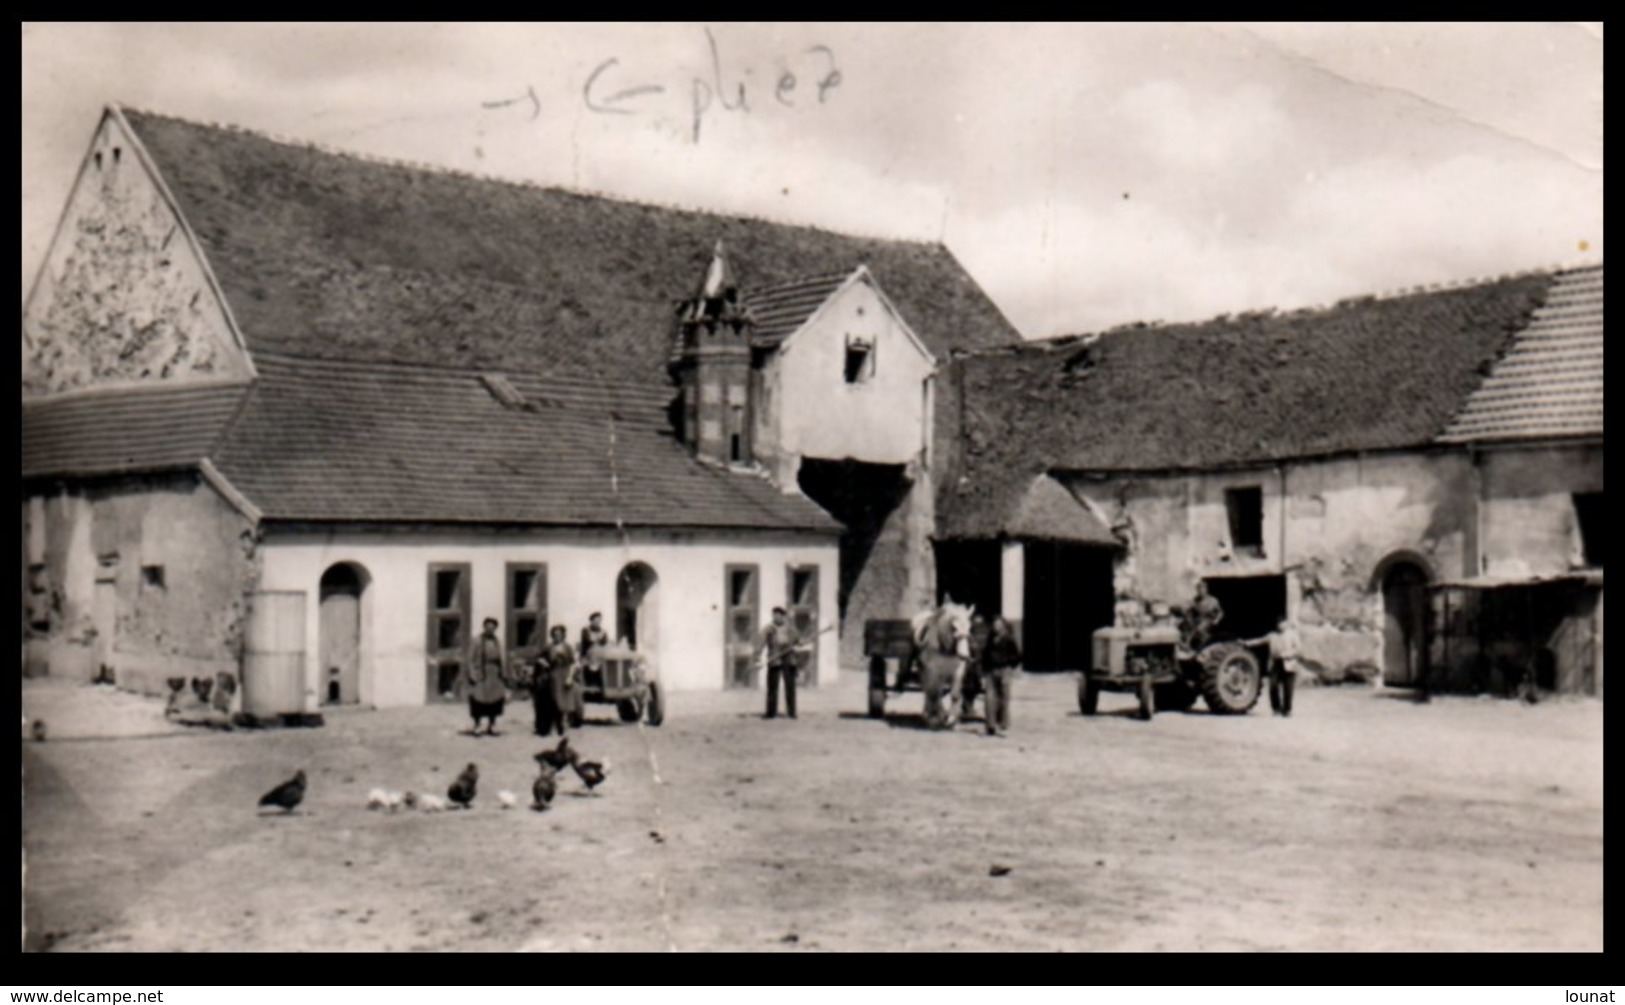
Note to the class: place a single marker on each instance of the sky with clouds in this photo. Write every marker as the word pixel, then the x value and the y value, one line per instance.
pixel 1086 175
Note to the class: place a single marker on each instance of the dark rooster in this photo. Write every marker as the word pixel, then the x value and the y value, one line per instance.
pixel 559 757
pixel 591 773
pixel 287 795
pixel 462 790
pixel 546 785
pixel 201 686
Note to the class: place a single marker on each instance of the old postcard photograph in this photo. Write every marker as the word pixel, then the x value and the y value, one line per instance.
pixel 788 487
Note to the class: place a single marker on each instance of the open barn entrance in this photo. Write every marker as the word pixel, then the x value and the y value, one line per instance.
pixel 868 500
pixel 1067 594
pixel 1253 605
pixel 969 571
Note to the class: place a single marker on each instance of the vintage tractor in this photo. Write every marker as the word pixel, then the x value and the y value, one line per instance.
pixel 1154 663
pixel 627 681
pixel 887 640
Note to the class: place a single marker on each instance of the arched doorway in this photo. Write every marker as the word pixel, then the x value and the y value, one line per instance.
pixel 339 633
pixel 1404 622
pixel 637 594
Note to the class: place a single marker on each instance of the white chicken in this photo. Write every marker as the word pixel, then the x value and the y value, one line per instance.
pixel 431 804
pixel 507 799
pixel 377 799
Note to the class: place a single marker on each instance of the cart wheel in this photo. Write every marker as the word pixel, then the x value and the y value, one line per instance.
pixel 654 709
pixel 630 709
pixel 1148 698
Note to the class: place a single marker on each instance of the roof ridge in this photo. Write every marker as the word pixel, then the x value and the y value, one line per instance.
pixel 441 169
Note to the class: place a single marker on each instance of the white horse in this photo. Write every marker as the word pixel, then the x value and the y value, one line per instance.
pixel 942 652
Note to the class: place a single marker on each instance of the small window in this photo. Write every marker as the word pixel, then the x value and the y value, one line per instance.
pixel 860 360
pixel 116 152
pixel 1589 514
pixel 153 576
pixel 446 585
pixel 1246 509
pixel 98 159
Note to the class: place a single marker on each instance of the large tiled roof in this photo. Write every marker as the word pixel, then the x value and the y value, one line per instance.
pixel 1549 381
pixel 121 431
pixel 1366 374
pixel 322 440
pixel 328 254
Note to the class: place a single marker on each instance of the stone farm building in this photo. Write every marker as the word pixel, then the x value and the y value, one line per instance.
pixel 1417 478
pixel 280 396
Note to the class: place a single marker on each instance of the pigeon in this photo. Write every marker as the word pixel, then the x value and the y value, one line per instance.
pixel 592 773
pixel 546 785
pixel 287 795
pixel 462 790
pixel 559 757
pixel 507 799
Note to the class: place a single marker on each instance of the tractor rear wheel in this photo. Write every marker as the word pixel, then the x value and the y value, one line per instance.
pixel 1231 680
pixel 1088 695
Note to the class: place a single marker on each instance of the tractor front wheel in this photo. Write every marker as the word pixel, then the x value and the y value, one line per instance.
pixel 654 709
pixel 1088 695
pixel 630 709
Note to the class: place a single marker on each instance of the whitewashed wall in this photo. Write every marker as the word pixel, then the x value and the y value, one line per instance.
pixel 582 568
pixel 812 411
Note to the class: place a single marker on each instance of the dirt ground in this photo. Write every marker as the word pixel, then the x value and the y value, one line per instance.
pixel 1364 822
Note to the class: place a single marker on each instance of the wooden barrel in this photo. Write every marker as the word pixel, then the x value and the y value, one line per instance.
pixel 274 654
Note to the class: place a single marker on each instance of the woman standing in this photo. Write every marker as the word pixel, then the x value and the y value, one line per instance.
pixel 485 679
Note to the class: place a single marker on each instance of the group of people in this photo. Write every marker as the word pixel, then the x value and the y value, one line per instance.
pixel 1286 645
pixel 553 677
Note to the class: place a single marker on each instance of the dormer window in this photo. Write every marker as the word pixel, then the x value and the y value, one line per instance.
pixel 860 360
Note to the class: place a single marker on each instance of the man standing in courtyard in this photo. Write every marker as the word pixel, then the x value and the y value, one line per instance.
pixel 783 646
pixel 594 640
pixel 1285 655
pixel 999 661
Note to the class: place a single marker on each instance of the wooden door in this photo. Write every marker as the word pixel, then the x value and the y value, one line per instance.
pixel 1404 606
pixel 339 637
pixel 741 620
pixel 274 654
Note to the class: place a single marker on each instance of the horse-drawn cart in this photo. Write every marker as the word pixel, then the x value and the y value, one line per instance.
pixel 901 659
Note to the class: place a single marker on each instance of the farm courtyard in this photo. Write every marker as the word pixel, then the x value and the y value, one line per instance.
pixel 1364 822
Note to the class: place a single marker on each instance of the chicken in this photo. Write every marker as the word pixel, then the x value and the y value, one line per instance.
pixel 592 773
pixel 393 801
pixel 559 757
pixel 462 790
pixel 201 686
pixel 431 804
pixel 546 785
pixel 287 795
pixel 507 799
pixel 410 800
pixel 377 799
